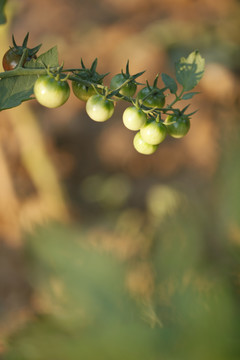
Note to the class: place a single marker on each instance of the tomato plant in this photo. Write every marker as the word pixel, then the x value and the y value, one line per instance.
pixel 177 126
pixel 49 82
pixel 51 91
pixel 142 146
pixel 153 132
pixel 99 108
pixel 134 118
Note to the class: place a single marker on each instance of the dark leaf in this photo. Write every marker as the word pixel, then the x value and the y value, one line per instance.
pixel 170 83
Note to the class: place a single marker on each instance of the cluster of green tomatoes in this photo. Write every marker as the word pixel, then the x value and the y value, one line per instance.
pixel 143 116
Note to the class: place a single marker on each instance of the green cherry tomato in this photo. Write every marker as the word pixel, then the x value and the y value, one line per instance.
pixel 127 90
pixel 134 118
pixel 142 146
pixel 50 92
pixel 99 108
pixel 82 92
pixel 155 99
pixel 179 125
pixel 153 132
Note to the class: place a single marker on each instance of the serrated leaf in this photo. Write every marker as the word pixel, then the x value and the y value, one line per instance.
pixel 15 90
pixel 170 83
pixel 189 95
pixel 2 14
pixel 189 71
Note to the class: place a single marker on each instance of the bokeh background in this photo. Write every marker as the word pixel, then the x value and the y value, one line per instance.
pixel 106 253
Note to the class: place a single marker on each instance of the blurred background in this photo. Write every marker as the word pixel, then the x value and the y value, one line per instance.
pixel 106 253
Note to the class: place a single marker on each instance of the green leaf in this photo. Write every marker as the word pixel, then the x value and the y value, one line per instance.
pixel 2 14
pixel 50 58
pixel 15 90
pixel 189 71
pixel 170 83
pixel 189 95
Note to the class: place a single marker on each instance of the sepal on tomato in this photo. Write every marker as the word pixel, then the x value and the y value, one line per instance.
pixel 124 83
pixel 18 49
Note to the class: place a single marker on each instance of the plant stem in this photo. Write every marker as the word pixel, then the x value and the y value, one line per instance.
pixel 23 58
pixel 177 98
pixel 22 71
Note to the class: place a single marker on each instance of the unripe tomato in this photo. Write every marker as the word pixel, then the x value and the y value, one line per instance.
pixel 81 91
pixel 153 132
pixel 179 127
pixel 142 146
pixel 156 97
pixel 127 90
pixel 134 118
pixel 50 92
pixel 99 108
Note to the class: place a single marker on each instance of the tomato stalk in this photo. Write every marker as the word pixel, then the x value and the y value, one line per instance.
pixel 21 71
pixel 23 58
pixel 178 98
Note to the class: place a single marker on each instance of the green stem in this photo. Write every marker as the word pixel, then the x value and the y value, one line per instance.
pixel 70 70
pixel 21 71
pixel 178 97
pixel 23 58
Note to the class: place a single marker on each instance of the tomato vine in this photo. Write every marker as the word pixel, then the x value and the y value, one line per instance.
pixel 28 76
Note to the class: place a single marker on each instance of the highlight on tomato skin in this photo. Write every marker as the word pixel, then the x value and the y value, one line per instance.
pixel 99 108
pixel 153 132
pixel 134 118
pixel 10 60
pixel 50 92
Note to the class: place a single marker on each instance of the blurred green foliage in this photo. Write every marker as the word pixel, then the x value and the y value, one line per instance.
pixel 193 312
pixel 2 11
